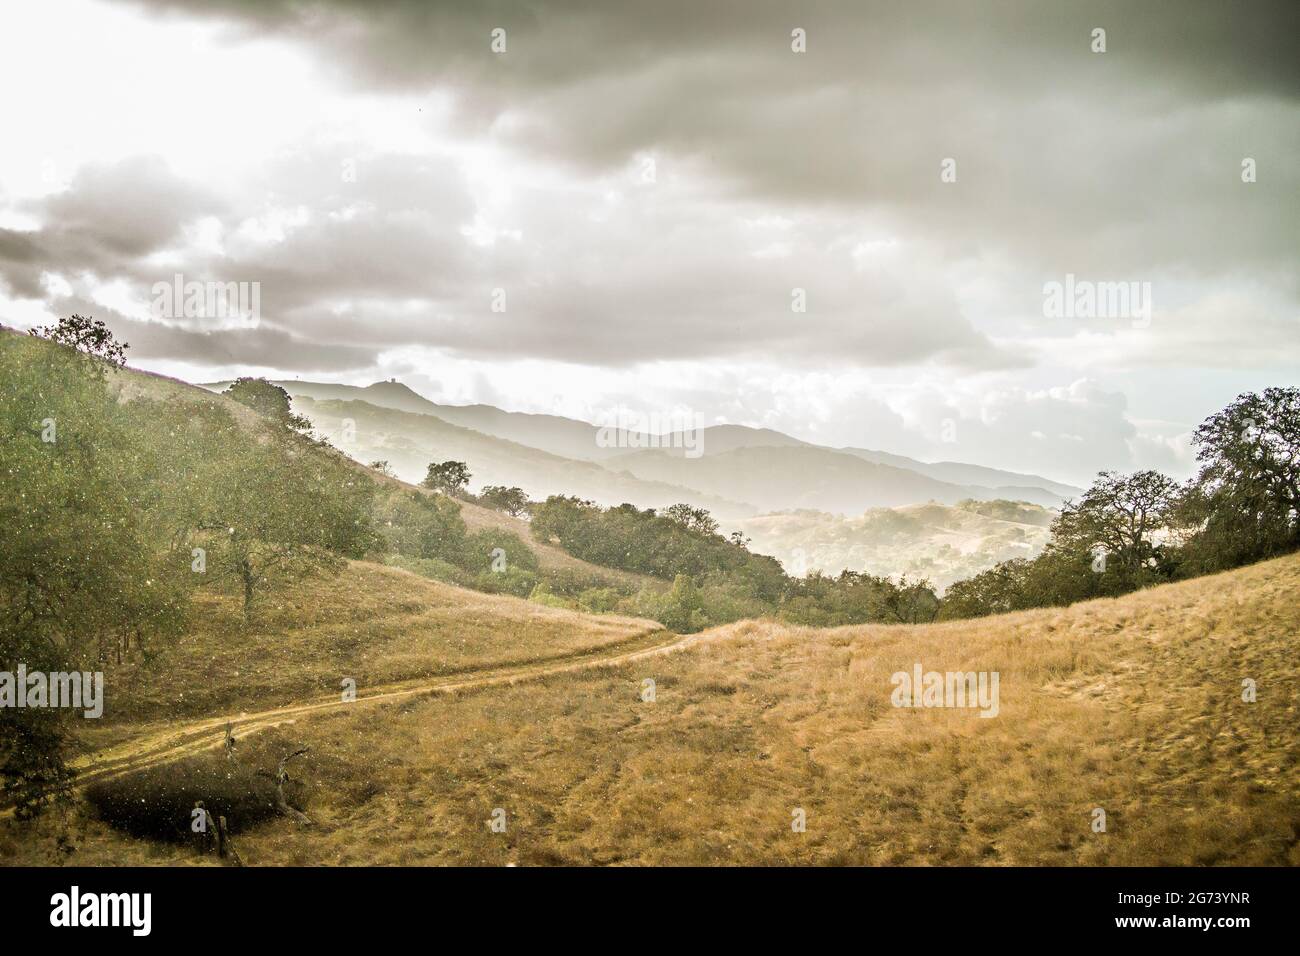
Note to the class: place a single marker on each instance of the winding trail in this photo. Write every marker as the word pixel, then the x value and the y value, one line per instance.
pixel 208 733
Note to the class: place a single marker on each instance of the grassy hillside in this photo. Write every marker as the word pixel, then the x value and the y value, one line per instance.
pixel 943 543
pixel 371 623
pixel 1132 705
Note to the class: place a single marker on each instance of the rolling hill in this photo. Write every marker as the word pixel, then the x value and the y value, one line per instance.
pixel 371 623
pixel 565 437
pixel 409 441
pixel 134 383
pixel 807 476
pixel 576 440
pixel 1130 706
pixel 1009 484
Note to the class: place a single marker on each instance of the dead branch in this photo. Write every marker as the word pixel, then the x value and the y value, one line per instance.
pixel 281 778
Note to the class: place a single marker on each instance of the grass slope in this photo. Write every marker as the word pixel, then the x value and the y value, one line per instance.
pixel 372 623
pixel 1132 705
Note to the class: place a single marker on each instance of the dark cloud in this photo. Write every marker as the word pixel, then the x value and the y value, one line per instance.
pixel 126 209
pixel 1204 46
pixel 21 258
pixel 1055 145
pixel 1122 165
pixel 111 216
pixel 263 347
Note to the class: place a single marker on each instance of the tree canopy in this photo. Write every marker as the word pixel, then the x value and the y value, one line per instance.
pixel 513 501
pixel 449 477
pixel 88 335
pixel 268 400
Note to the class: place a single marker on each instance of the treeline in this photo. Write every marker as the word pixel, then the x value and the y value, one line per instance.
pixel 1131 531
pixel 112 512
pixel 1125 532
pixel 716 579
pixel 426 534
pixel 683 540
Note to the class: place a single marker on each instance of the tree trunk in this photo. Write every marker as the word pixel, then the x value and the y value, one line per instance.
pixel 246 572
pixel 281 778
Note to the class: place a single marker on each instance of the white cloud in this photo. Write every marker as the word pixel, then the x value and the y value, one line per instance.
pixel 379 196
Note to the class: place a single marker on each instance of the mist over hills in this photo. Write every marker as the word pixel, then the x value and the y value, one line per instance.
pixel 942 543
pixel 409 441
pixel 809 476
pixel 734 470
pixel 1012 484
pixel 550 433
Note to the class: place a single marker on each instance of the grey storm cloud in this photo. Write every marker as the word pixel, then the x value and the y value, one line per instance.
pixel 112 215
pixel 262 347
pixel 1205 46
pixel 1122 165
pixel 129 208
pixel 1056 146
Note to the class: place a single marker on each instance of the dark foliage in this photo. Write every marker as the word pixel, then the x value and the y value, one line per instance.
pixel 159 802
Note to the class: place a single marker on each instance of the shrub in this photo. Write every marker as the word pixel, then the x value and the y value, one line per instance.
pixel 678 609
pixel 158 802
pixel 32 768
pixel 479 552
pixel 420 526
pixel 541 594
pixel 433 568
pixel 599 600
pixel 571 582
pixel 514 581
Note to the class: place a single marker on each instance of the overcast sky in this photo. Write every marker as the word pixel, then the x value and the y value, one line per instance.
pixel 648 183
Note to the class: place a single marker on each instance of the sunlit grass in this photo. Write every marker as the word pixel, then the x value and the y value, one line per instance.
pixel 1131 705
pixel 370 623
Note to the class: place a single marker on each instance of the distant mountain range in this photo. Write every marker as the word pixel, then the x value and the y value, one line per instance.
pixel 738 472
pixel 409 441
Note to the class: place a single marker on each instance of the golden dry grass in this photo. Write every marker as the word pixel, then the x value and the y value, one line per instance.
pixel 371 623
pixel 1131 705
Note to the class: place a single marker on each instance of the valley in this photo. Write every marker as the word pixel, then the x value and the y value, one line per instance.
pixel 597 685
pixel 749 478
pixel 1132 705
